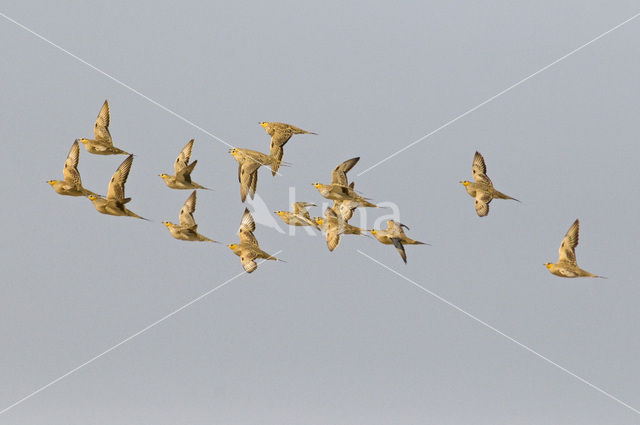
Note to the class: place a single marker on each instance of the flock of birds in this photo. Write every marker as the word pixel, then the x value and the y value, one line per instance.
pixel 334 222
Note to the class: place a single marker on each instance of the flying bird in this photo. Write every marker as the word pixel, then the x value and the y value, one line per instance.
pixel 248 163
pixel 72 184
pixel 280 134
pixel 114 203
pixel 102 144
pixel 335 226
pixel 482 188
pixel 567 265
pixel 394 235
pixel 182 168
pixel 300 215
pixel 248 249
pixel 187 230
pixel 340 189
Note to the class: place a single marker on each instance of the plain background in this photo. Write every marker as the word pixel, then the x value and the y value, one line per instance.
pixel 326 338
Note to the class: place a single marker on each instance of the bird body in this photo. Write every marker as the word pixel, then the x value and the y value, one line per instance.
pixel 482 189
pixel 567 265
pixel 102 144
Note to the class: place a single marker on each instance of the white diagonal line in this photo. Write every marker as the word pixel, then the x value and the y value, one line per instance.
pixel 128 87
pixel 482 322
pixel 124 341
pixel 480 105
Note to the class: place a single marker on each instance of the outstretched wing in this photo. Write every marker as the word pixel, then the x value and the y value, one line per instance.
pixel 300 208
pixel 567 251
pixel 339 174
pixel 333 238
pixel 479 170
pixel 101 127
pixel 185 173
pixel 70 170
pixel 116 185
pixel 247 261
pixel 186 213
pixel 280 137
pixel 276 152
pixel 482 203
pixel 247 227
pixel 183 158
pixel 400 248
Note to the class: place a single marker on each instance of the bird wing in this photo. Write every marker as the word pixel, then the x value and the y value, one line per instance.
pixel 479 170
pixel 400 248
pixel 185 173
pixel 482 203
pixel 247 257
pixel 182 161
pixel 247 227
pixel 116 185
pixel 253 184
pixel 280 137
pixel 339 174
pixel 186 213
pixel 101 127
pixel 276 152
pixel 300 208
pixel 245 178
pixel 70 170
pixel 567 251
pixel 333 238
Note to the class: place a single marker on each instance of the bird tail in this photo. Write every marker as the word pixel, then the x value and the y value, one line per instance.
pixel 414 242
pixel 501 195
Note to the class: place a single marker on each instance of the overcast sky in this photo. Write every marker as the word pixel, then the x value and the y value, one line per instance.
pixel 327 337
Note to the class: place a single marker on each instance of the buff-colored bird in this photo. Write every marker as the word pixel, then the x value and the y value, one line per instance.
pixel 187 230
pixel 72 184
pixel 114 203
pixel 300 215
pixel 248 163
pixel 248 249
pixel 567 265
pixel 182 168
pixel 280 134
pixel 102 144
pixel 394 235
pixel 334 226
pixel 339 189
pixel 482 189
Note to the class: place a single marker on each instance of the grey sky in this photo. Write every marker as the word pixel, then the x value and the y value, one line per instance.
pixel 326 338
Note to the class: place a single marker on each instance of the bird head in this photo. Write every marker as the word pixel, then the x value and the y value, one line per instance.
pixel 548 265
pixel 232 245
pixel 319 221
pixel 164 176
pixel 167 223
pixel 465 183
pixel 92 197
pixel 317 185
pixel 83 141
pixel 264 124
pixel 233 151
pixel 279 212
pixel 52 182
pixel 373 231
